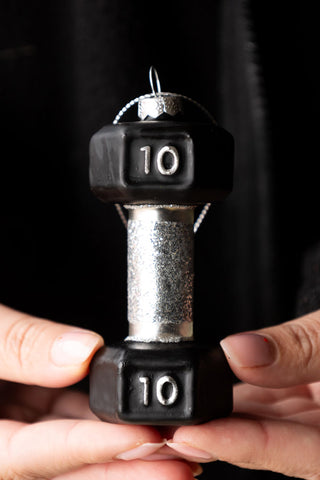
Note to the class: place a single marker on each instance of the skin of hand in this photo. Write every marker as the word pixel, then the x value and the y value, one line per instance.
pixel 276 421
pixel 49 432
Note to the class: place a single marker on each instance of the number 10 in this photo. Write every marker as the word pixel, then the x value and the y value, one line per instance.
pixel 165 380
pixel 160 160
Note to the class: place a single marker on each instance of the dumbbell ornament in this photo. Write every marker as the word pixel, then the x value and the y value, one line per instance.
pixel 160 168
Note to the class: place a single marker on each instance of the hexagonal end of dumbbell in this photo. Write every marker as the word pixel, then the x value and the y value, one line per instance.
pixel 160 384
pixel 161 162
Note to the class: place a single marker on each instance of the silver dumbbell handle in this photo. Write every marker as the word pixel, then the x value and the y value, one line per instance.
pixel 160 273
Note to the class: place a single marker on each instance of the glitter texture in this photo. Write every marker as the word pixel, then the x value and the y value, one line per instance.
pixel 160 276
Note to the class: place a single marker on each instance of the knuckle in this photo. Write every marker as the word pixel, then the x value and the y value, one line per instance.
pixel 12 475
pixel 68 441
pixel 26 476
pixel 262 449
pixel 11 466
pixel 257 454
pixel 304 341
pixel 20 340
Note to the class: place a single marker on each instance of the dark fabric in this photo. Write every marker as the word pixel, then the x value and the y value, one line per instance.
pixel 66 70
pixel 308 298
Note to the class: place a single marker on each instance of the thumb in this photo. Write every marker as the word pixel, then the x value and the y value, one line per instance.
pixel 280 356
pixel 41 352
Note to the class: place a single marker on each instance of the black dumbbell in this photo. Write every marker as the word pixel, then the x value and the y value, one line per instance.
pixel 160 168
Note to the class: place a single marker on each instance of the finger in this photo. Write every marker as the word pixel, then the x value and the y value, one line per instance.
pixel 281 446
pixel 296 403
pixel 39 399
pixel 310 417
pixel 73 404
pixel 269 402
pixel 20 413
pixel 41 352
pixel 282 409
pixel 51 448
pixel 135 470
pixel 272 401
pixel 298 407
pixel 253 393
pixel 280 356
pixel 24 404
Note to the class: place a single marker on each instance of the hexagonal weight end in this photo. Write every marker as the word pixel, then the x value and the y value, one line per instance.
pixel 160 384
pixel 161 162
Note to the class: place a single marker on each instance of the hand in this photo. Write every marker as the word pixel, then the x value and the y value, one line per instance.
pixel 276 420
pixel 50 433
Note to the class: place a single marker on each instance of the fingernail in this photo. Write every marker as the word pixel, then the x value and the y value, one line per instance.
pixel 196 469
pixel 73 348
pixel 142 451
pixel 191 452
pixel 249 349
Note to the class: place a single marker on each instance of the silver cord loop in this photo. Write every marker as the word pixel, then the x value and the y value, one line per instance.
pixel 153 73
pixel 121 214
pixel 201 217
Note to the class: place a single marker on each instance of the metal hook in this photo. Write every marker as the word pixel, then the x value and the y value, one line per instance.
pixel 153 73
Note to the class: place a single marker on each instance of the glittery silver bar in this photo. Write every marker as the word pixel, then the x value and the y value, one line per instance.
pixel 160 273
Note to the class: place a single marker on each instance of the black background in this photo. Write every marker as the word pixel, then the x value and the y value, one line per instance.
pixel 68 67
